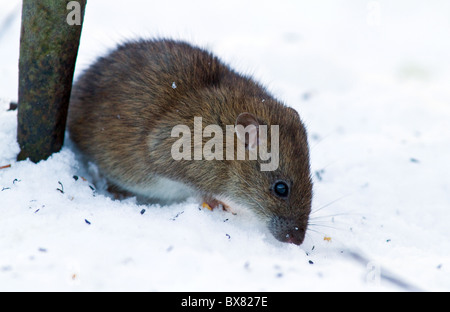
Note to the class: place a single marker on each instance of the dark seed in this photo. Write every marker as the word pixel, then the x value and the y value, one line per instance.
pixel 13 106
pixel 60 189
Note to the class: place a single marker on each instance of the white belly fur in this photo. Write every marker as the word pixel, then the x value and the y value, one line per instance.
pixel 165 190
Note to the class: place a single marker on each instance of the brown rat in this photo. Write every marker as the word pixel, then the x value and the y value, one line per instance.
pixel 124 107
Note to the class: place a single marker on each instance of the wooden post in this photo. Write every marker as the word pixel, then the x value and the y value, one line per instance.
pixel 49 41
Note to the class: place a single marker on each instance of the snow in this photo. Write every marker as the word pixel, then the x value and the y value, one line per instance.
pixel 370 80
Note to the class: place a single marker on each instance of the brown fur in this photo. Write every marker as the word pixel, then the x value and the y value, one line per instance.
pixel 123 109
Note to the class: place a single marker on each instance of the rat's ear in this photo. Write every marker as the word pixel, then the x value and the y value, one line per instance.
pixel 247 127
pixel 293 112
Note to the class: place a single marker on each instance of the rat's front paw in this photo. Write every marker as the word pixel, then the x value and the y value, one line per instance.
pixel 212 204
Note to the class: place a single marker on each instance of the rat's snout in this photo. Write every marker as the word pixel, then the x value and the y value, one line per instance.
pixel 287 230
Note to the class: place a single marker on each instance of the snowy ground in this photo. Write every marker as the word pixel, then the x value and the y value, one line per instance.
pixel 370 79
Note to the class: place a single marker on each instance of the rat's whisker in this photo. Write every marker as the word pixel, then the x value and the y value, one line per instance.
pixel 322 139
pixel 315 231
pixel 308 236
pixel 323 225
pixel 339 227
pixel 329 204
pixel 330 219
pixel 333 215
pixel 319 222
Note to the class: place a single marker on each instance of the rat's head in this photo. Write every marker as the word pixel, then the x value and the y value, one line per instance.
pixel 281 196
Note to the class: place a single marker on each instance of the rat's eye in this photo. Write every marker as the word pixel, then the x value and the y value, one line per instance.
pixel 281 189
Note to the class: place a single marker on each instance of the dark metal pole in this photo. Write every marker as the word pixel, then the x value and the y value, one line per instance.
pixel 49 41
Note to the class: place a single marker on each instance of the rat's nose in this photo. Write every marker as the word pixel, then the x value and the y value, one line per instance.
pixel 287 230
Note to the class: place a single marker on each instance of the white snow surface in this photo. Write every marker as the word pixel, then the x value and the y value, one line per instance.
pixel 370 79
